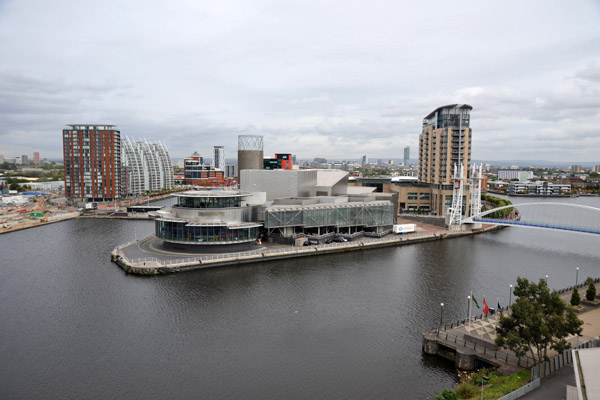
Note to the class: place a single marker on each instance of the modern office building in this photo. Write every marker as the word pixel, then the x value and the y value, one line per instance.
pixel 24 159
pixel 146 167
pixel 280 161
pixel 92 162
pixel 406 156
pixel 219 158
pixel 509 174
pixel 197 173
pixel 36 158
pixel 539 188
pixel 231 171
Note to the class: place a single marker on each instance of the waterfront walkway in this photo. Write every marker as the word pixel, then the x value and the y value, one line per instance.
pixel 149 256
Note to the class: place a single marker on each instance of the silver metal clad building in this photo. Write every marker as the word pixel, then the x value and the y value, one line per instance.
pixel 280 183
pixel 250 152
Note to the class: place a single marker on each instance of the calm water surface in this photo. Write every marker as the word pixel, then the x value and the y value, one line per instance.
pixel 73 325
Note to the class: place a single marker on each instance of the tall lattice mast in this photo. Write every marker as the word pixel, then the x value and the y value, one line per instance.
pixel 457 196
pixel 476 175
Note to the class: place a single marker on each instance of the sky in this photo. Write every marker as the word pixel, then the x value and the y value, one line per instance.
pixel 332 79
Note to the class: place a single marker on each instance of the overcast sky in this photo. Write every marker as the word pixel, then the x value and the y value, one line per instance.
pixel 333 79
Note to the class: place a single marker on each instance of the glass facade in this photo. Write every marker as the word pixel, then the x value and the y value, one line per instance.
pixel 209 202
pixel 181 231
pixel 365 215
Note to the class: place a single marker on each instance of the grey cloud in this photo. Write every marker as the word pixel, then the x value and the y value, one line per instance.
pixel 337 78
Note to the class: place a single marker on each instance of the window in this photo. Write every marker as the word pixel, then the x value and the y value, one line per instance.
pixel 412 196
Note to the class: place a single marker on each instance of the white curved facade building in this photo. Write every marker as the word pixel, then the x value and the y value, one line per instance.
pixel 146 166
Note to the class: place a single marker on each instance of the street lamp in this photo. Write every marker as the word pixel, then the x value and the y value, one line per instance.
pixel 509 295
pixel 576 275
pixel 441 313
pixel 546 280
pixel 468 305
pixel 483 378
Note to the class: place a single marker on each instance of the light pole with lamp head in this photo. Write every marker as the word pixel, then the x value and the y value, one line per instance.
pixel 509 295
pixel 576 275
pixel 483 378
pixel 441 313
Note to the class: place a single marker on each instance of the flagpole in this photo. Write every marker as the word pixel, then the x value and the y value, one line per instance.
pixel 470 301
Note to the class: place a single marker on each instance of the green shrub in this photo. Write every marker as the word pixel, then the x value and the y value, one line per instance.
pixel 447 394
pixel 590 294
pixel 575 299
pixel 466 390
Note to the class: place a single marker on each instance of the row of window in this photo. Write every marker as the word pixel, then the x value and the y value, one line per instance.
pixel 352 216
pixel 420 196
pixel 178 231
pixel 209 202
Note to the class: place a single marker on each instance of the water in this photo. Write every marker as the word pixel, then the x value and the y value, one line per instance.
pixel 73 325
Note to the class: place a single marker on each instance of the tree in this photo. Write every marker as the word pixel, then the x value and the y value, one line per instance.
pixel 538 319
pixel 590 293
pixel 575 299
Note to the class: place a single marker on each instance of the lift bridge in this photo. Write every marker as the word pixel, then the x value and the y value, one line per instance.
pixel 541 215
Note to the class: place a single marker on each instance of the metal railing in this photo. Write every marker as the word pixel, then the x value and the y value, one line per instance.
pixel 554 364
pixel 486 350
pixel 522 390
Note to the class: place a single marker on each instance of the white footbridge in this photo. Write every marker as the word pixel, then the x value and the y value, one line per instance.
pixel 539 215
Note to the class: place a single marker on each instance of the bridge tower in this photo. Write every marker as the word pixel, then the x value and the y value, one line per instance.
pixel 476 174
pixel 457 196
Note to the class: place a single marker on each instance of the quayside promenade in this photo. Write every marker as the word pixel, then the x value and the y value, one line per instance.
pixel 470 344
pixel 149 256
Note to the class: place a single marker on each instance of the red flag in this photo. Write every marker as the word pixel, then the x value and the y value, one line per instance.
pixel 486 309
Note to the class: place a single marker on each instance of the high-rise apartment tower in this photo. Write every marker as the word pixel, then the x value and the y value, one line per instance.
pixel 146 167
pixel 445 141
pixel 92 162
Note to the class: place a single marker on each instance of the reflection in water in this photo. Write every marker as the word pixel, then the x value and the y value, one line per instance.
pixel 338 326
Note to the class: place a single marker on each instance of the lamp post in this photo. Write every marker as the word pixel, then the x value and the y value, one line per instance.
pixel 468 305
pixel 483 378
pixel 546 280
pixel 510 295
pixel 576 275
pixel 441 313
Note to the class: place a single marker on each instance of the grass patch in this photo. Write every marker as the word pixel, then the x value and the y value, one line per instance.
pixel 496 387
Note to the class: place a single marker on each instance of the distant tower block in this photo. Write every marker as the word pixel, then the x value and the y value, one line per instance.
pixel 250 152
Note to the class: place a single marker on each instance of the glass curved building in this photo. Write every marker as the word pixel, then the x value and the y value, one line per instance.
pixel 147 167
pixel 214 218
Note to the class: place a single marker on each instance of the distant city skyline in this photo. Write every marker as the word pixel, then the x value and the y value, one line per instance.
pixel 335 80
